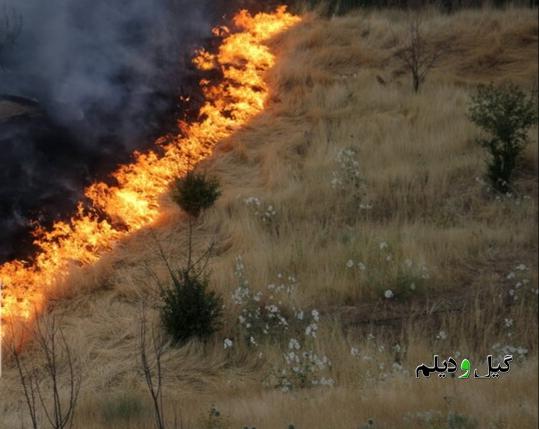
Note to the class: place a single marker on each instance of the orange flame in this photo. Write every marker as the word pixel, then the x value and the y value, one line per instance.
pixel 133 202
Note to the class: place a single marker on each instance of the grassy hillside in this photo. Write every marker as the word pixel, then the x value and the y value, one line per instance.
pixel 367 203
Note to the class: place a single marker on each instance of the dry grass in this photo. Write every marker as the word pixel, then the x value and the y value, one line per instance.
pixel 419 164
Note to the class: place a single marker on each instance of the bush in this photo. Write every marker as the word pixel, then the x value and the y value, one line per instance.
pixel 505 114
pixel 189 309
pixel 124 407
pixel 195 192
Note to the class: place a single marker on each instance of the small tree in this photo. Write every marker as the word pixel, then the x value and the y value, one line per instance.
pixel 151 362
pixel 190 309
pixel 418 57
pixel 59 408
pixel 194 193
pixel 505 114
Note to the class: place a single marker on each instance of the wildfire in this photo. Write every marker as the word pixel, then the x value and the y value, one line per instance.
pixel 133 202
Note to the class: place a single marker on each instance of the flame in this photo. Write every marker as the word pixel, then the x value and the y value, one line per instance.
pixel 133 202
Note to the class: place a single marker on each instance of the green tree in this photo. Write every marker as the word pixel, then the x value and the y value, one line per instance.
pixel 190 309
pixel 194 193
pixel 505 115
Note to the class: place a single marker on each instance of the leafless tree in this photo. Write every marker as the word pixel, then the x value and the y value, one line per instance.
pixel 418 56
pixel 28 380
pixel 151 357
pixel 10 29
pixel 59 409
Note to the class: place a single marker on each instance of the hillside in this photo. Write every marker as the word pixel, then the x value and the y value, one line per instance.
pixel 367 202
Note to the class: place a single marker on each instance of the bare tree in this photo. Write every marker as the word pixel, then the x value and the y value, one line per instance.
pixel 28 381
pixel 10 29
pixel 153 372
pixel 58 408
pixel 418 56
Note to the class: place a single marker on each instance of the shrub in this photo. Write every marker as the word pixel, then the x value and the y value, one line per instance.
pixel 122 407
pixel 189 309
pixel 195 192
pixel 505 114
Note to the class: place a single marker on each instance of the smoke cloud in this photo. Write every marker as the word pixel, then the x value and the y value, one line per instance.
pixel 105 74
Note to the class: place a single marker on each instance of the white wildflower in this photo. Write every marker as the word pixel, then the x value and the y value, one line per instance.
pixel 311 330
pixel 389 294
pixel 442 335
pixel 293 344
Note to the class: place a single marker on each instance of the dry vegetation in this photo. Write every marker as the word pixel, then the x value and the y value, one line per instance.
pixel 339 86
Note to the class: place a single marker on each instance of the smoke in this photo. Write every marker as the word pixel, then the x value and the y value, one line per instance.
pixel 106 74
pixel 95 63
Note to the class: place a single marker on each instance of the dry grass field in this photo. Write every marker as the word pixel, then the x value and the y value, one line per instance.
pixel 366 202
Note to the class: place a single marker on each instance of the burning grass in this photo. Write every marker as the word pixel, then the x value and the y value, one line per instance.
pixel 134 201
pixel 347 185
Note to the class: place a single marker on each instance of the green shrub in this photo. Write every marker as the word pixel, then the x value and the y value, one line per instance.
pixel 460 421
pixel 195 192
pixel 123 407
pixel 505 114
pixel 189 309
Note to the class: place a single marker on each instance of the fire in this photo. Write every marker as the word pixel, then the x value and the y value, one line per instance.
pixel 133 202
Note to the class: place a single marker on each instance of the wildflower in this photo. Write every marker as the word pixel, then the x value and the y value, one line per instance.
pixel 316 315
pixel 354 351
pixel 311 330
pixel 508 323
pixel 397 367
pixel 511 275
pixel 521 267
pixel 293 344
pixel 388 294
pixel 326 381
pixel 272 308
pixel 442 335
pixel 361 266
pixel 228 343
pixel 350 263
pixel 383 245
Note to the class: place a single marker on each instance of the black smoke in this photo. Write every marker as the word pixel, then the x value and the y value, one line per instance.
pixel 96 79
pixel 106 77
